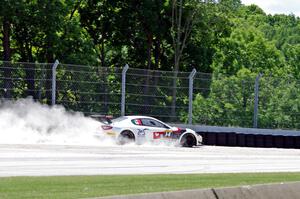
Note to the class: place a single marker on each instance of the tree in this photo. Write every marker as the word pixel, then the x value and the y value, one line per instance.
pixel 247 48
pixel 7 13
pixel 183 15
pixel 212 25
pixel 229 103
pixel 292 54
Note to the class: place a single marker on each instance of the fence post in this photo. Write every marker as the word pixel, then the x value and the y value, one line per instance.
pixel 191 89
pixel 256 90
pixel 54 82
pixel 123 89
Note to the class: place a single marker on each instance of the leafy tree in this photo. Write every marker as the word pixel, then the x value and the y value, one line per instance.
pixel 279 102
pixel 247 48
pixel 229 103
pixel 292 54
pixel 7 15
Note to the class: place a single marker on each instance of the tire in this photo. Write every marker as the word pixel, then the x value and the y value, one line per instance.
pixel 126 137
pixel 188 140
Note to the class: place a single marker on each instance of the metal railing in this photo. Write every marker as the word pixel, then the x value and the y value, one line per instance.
pixel 254 100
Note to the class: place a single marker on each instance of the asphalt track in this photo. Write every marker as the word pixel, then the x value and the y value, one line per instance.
pixel 50 160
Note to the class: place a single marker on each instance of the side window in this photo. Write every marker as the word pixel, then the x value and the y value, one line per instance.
pixel 147 122
pixel 152 123
pixel 158 124
pixel 137 122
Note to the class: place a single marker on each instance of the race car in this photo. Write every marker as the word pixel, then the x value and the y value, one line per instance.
pixel 141 129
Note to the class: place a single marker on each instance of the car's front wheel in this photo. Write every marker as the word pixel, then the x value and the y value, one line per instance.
pixel 188 140
pixel 126 137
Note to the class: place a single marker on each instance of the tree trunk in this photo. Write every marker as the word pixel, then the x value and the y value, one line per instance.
pixel 180 33
pixel 105 89
pixel 147 82
pixel 104 70
pixel 26 55
pixel 174 91
pixel 50 59
pixel 6 58
pixel 157 54
pixel 176 24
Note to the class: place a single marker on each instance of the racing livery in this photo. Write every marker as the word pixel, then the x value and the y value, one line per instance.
pixel 141 129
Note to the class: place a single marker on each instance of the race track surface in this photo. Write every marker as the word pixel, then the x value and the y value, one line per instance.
pixel 49 160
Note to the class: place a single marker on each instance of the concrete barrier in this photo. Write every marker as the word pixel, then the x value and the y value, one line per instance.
pixel 259 141
pixel 250 140
pixel 297 142
pixel 241 140
pixel 273 191
pixel 193 194
pixel 231 139
pixel 211 139
pixel 268 191
pixel 268 141
pixel 289 142
pixel 246 137
pixel 279 141
pixel 221 139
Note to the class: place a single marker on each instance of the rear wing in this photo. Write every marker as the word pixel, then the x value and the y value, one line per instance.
pixel 106 119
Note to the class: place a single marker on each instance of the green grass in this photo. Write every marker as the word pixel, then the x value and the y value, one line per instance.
pixel 96 186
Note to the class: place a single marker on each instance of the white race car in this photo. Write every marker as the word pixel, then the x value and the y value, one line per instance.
pixel 141 129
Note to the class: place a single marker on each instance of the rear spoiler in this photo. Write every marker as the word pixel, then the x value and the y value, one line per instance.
pixel 103 118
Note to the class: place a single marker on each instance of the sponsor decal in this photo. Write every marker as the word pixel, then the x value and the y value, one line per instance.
pixel 163 134
pixel 141 132
pixel 111 133
pixel 158 135
pixel 168 133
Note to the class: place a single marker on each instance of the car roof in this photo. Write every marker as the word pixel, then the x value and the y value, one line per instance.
pixel 130 117
pixel 139 116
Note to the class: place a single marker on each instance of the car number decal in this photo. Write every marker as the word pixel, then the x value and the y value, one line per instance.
pixel 141 132
pixel 163 134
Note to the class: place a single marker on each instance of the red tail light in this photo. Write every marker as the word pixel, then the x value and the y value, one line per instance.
pixel 106 127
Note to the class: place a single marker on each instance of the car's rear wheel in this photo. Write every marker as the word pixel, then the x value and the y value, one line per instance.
pixel 188 140
pixel 126 137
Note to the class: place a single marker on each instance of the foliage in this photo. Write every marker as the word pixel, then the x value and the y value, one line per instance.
pixel 231 102
pixel 232 41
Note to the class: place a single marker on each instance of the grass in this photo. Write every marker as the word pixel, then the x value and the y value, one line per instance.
pixel 97 186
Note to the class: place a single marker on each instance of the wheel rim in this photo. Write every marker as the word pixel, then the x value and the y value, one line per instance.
pixel 188 141
pixel 125 138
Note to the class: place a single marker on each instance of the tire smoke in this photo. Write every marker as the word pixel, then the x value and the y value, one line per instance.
pixel 27 122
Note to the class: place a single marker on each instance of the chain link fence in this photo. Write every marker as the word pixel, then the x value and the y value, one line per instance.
pixel 89 89
pixel 279 102
pixel 244 100
pixel 19 80
pixel 150 92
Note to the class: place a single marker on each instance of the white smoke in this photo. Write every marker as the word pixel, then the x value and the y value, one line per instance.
pixel 27 122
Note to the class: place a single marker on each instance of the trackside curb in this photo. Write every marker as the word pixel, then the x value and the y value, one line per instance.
pixel 267 191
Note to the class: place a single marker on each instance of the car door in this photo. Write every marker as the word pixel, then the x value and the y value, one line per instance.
pixel 142 131
pixel 154 129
